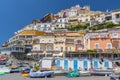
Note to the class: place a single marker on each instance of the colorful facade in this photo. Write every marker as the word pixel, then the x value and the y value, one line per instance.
pixel 106 43
pixel 56 43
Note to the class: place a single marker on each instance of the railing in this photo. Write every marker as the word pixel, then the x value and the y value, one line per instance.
pixel 37 51
pixel 111 51
pixel 59 42
pixel 51 51
pixel 35 42
pixel 115 38
pixel 69 42
pixel 79 43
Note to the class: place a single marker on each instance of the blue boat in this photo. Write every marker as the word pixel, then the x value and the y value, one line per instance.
pixel 15 70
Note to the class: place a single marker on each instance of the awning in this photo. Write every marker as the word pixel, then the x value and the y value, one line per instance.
pixel 60 54
pixel 29 54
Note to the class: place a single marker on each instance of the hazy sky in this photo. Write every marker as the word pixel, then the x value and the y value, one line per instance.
pixel 15 14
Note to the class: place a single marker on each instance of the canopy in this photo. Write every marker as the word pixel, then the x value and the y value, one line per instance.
pixel 29 54
pixel 60 54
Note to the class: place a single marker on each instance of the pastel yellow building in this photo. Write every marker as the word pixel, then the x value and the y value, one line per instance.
pixel 57 43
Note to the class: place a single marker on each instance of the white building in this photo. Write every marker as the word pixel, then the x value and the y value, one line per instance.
pixel 62 20
pixel 115 16
pixel 46 27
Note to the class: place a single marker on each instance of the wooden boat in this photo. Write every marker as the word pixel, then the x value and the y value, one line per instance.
pixel 25 72
pixel 15 69
pixel 101 71
pixel 84 73
pixel 40 73
pixel 115 77
pixel 4 70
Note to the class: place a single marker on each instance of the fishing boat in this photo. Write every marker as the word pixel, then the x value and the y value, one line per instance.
pixel 14 69
pixel 115 77
pixel 4 70
pixel 25 72
pixel 40 73
pixel 102 72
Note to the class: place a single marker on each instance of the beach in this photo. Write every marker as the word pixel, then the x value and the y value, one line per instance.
pixel 17 76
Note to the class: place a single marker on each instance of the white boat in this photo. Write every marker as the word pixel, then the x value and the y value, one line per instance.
pixel 102 72
pixel 41 73
pixel 84 73
pixel 4 70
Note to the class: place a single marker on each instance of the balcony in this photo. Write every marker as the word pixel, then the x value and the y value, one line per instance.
pixel 99 50
pixel 79 43
pixel 115 38
pixel 38 51
pixel 50 51
pixel 35 42
pixel 69 42
pixel 59 42
pixel 113 51
pixel 57 51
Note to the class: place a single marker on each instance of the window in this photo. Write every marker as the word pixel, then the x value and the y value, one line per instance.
pixel 66 48
pixel 118 46
pixel 61 49
pixel 70 48
pixel 35 48
pixel 60 20
pixel 45 25
pixel 109 46
pixel 115 35
pixel 42 40
pixel 56 48
pixel 49 47
pixel 49 40
pixel 42 48
pixel 97 46
pixel 86 20
pixel 117 15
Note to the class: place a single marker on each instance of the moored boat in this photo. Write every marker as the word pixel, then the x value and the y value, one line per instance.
pixel 40 73
pixel 4 70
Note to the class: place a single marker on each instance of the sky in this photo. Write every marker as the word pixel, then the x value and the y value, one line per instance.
pixel 15 14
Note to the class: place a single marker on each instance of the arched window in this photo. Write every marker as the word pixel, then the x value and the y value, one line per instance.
pixel 49 48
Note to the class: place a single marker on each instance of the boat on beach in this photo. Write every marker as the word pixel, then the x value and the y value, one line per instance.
pixel 40 73
pixel 102 68
pixel 4 70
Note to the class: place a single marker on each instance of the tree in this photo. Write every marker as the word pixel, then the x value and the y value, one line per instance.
pixel 109 24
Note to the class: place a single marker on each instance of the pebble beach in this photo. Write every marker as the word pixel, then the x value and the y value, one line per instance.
pixel 17 76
